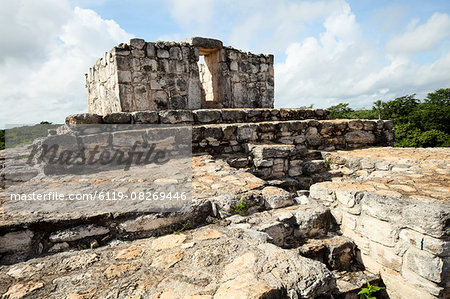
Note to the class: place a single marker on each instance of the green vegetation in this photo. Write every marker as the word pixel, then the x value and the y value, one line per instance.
pixel 184 226
pixel 24 135
pixel 417 123
pixel 2 139
pixel 243 205
pixel 367 293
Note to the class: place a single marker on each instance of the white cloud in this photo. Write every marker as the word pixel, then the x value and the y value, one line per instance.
pixel 422 37
pixel 42 67
pixel 342 66
pixel 272 25
pixel 261 26
pixel 195 13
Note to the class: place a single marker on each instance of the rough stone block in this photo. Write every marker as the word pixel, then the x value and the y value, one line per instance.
pixel 151 50
pixel 412 237
pixel 246 133
pixel 161 53
pixel 436 246
pixel 262 163
pixel 176 116
pixel 233 115
pixel 124 76
pixel 426 265
pixel 275 198
pixel 117 118
pixel 355 125
pixel 322 191
pixel 202 42
pixel 145 117
pixel 313 221
pixel 382 207
pixel 314 166
pixel 207 116
pixel 16 241
pixel 376 230
pixel 175 53
pixel 397 287
pixel 420 282
pixel 84 118
pixel 385 256
pixel 360 138
pixel 78 233
pixel 137 43
pixel 388 124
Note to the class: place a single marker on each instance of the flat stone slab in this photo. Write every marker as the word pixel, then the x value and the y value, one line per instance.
pixel 420 173
pixel 33 227
pixel 202 42
pixel 209 262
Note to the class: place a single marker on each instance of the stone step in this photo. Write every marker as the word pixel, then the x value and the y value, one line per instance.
pixel 287 227
pixel 336 251
pixel 350 283
pixel 215 261
pixel 202 116
pixel 310 134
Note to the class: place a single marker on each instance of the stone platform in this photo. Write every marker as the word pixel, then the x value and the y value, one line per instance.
pixel 395 205
pixel 368 212
pixel 381 210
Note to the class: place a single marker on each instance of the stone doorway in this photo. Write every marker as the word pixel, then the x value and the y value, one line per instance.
pixel 209 70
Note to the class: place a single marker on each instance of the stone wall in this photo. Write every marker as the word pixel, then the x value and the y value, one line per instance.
pixel 229 130
pixel 203 116
pixel 244 80
pixel 312 134
pixel 144 76
pixel 397 213
pixel 165 75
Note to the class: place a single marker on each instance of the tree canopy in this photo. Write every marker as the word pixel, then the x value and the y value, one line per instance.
pixel 417 123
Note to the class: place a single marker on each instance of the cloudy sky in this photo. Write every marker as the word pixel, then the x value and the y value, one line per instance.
pixel 326 52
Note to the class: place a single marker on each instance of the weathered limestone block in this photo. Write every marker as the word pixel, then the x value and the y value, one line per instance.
pixel 175 117
pixel 314 166
pixel 78 233
pixel 322 192
pixel 376 230
pixel 246 133
pixel 336 251
pixel 360 137
pixel 313 221
pixel 117 118
pixel 145 117
pixel 84 118
pixel 385 256
pixel 398 287
pixel 207 116
pixel 427 265
pixel 16 241
pixel 137 43
pixel 438 247
pixel 201 42
pixel 275 198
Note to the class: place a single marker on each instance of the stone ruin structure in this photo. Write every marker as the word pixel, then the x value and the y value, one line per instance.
pixel 166 75
pixel 286 202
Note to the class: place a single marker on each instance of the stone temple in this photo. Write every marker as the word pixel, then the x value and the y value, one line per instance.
pixel 286 203
pixel 166 75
